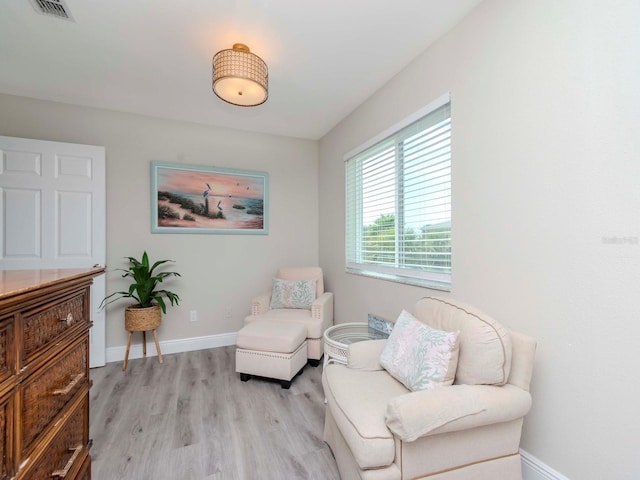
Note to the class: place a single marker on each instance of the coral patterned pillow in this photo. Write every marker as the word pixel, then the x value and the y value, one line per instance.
pixel 419 356
pixel 293 293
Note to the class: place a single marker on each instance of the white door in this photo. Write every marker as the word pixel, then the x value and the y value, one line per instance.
pixel 53 214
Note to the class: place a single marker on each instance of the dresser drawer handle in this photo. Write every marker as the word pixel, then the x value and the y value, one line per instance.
pixel 68 319
pixel 63 473
pixel 74 381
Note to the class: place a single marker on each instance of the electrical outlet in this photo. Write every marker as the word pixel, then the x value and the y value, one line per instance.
pixel 228 313
pixel 193 316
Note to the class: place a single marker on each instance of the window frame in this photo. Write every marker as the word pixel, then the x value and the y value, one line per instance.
pixel 405 275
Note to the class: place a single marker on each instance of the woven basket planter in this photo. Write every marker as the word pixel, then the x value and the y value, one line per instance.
pixel 138 319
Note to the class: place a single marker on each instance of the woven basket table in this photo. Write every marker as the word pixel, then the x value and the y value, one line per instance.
pixel 338 338
pixel 141 320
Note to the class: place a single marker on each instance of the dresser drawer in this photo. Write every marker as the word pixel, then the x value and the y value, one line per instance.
pixel 7 349
pixel 6 439
pixel 46 393
pixel 44 325
pixel 66 454
pixel 85 471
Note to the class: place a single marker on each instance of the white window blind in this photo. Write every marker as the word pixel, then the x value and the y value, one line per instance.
pixel 398 215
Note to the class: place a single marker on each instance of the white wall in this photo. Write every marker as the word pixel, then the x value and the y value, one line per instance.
pixel 546 171
pixel 219 272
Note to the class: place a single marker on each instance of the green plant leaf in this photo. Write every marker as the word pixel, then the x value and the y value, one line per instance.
pixel 163 306
pixel 144 282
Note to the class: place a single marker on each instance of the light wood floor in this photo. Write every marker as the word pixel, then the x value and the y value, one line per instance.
pixel 193 419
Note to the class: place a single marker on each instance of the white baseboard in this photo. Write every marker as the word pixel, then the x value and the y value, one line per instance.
pixel 534 469
pixel 116 354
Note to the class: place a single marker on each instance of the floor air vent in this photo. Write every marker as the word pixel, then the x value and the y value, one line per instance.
pixel 52 8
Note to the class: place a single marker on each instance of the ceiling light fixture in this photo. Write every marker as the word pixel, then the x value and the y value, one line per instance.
pixel 240 77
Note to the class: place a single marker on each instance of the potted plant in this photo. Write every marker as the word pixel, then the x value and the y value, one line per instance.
pixel 146 314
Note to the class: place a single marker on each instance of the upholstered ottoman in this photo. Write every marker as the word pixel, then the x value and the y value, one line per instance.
pixel 271 349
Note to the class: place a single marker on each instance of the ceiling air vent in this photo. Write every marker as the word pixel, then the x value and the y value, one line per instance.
pixel 52 8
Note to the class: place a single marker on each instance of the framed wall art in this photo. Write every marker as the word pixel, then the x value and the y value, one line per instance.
pixel 200 199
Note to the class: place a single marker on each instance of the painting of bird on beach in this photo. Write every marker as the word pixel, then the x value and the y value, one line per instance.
pixel 192 199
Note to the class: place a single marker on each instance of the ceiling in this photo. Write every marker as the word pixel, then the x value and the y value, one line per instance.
pixel 153 57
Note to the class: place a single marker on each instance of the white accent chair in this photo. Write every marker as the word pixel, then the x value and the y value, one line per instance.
pixel 379 430
pixel 316 319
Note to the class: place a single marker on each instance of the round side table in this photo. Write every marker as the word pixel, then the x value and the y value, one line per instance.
pixel 338 338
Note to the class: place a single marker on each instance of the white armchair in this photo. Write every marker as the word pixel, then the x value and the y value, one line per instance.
pixel 316 319
pixel 380 430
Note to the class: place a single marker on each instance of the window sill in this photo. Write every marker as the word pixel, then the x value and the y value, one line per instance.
pixel 418 282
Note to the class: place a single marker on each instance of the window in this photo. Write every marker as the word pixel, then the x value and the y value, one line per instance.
pixel 398 188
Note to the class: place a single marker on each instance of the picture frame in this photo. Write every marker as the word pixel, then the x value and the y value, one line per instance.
pixel 202 199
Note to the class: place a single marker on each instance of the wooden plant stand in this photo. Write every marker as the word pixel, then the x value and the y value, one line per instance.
pixel 142 320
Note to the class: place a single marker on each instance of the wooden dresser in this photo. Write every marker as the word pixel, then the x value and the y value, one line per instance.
pixel 44 374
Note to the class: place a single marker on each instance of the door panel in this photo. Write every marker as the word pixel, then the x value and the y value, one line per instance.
pixel 74 223
pixel 21 209
pixel 21 163
pixel 53 214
